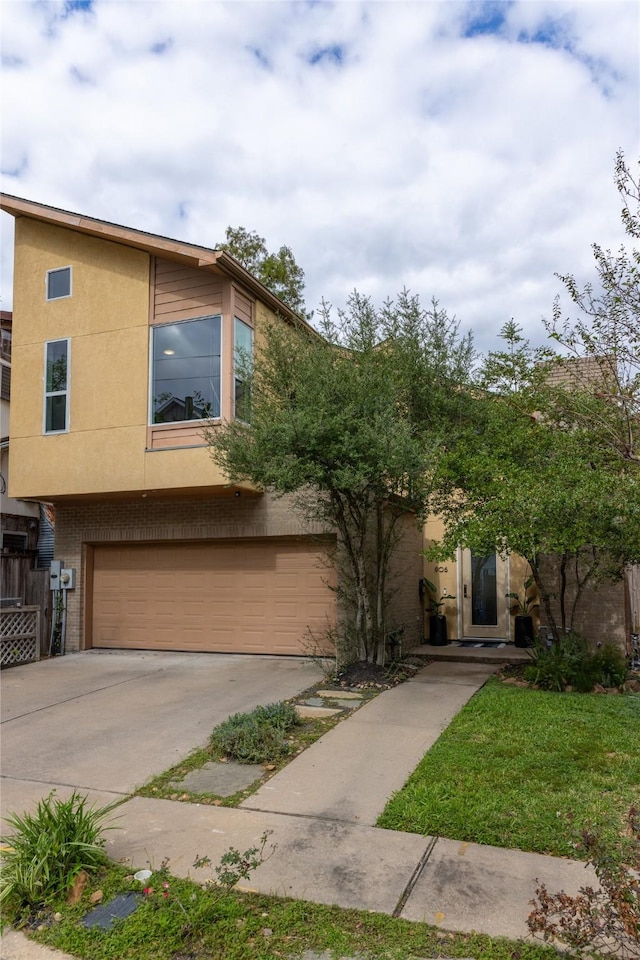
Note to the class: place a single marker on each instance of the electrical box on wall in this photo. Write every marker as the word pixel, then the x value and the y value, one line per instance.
pixel 68 578
pixel 54 574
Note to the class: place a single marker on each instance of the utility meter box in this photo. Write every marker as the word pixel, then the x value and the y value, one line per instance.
pixel 54 574
pixel 68 578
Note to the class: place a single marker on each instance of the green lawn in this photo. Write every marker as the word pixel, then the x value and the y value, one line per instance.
pixel 516 761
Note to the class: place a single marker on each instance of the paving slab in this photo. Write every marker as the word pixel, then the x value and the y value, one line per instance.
pixel 350 773
pixel 20 796
pixel 222 779
pixel 342 694
pixel 468 886
pixel 316 713
pixel 16 946
pixel 317 860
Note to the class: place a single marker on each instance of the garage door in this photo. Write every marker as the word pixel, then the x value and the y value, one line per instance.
pixel 253 596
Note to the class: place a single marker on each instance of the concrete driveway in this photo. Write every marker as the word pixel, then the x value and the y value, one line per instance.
pixel 105 722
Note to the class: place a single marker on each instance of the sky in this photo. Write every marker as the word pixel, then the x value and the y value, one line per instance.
pixel 462 150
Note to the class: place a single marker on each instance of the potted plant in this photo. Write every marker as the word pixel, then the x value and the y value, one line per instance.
pixel 437 620
pixel 523 632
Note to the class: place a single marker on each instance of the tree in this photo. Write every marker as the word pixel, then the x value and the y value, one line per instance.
pixel 278 271
pixel 521 483
pixel 352 421
pixel 603 347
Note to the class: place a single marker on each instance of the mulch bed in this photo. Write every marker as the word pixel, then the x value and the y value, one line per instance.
pixel 371 676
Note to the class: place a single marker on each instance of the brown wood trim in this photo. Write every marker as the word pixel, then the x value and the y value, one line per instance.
pixel 182 433
pixel 87 592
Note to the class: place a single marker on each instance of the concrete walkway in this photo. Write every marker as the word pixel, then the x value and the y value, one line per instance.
pixel 321 809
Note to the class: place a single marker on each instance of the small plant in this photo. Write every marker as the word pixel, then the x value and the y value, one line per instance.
pixel 524 604
pixel 434 603
pixel 604 921
pixel 257 737
pixel 235 866
pixel 49 848
pixel 197 912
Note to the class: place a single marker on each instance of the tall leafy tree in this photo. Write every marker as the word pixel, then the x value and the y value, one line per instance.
pixel 278 271
pixel 600 361
pixel 522 483
pixel 353 422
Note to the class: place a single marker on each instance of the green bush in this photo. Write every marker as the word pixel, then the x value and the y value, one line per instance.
pixel 569 663
pixel 256 737
pixel 611 666
pixel 49 848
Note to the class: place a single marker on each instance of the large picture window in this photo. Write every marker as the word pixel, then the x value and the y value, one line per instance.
pixel 185 377
pixel 242 359
pixel 56 387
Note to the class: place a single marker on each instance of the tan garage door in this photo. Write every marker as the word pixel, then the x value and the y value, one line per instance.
pixel 253 596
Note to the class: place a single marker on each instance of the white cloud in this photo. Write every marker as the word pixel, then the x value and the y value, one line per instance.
pixel 380 142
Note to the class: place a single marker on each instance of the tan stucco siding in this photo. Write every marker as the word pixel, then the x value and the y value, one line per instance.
pixel 110 284
pixel 106 319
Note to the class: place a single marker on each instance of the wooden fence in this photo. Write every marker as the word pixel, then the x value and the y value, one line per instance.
pixel 23 583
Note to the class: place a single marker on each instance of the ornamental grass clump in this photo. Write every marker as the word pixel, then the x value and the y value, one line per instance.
pixel 49 848
pixel 256 737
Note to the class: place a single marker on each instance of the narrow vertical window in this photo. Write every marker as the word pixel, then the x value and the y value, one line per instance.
pixel 242 360
pixel 59 283
pixel 56 387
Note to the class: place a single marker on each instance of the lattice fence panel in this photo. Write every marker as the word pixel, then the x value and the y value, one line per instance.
pixel 19 636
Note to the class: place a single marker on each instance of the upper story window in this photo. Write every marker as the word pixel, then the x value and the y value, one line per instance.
pixel 56 386
pixel 185 374
pixel 59 283
pixel 242 358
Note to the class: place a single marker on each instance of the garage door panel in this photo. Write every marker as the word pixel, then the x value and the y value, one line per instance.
pixel 255 596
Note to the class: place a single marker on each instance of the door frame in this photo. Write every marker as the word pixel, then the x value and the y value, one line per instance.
pixel 464 606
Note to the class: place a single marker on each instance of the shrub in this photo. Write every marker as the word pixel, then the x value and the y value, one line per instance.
pixel 49 848
pixel 569 663
pixel 556 667
pixel 256 737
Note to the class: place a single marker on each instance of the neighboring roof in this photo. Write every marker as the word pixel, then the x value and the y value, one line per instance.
pixel 215 260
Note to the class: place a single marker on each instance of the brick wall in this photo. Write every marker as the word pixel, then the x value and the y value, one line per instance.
pixel 405 607
pixel 600 615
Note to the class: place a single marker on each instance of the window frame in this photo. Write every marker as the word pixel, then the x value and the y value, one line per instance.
pixel 65 296
pixel 236 379
pixel 175 424
pixel 49 394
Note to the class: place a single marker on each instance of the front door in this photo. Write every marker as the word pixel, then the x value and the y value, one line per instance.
pixel 484 606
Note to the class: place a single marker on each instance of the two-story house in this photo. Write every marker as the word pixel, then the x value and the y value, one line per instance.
pixel 123 349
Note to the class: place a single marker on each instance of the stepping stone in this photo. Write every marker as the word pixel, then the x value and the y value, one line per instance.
pixel 120 907
pixel 315 713
pixel 339 695
pixel 222 779
pixel 347 704
pixel 314 702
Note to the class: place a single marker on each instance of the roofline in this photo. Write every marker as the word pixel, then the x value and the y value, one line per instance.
pixel 188 253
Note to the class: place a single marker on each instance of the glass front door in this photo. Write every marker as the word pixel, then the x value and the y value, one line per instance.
pixel 484 606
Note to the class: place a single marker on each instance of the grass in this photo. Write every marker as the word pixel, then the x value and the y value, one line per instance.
pixel 515 761
pixel 251 927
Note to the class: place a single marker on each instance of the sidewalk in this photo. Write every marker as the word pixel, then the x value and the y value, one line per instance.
pixel 321 808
